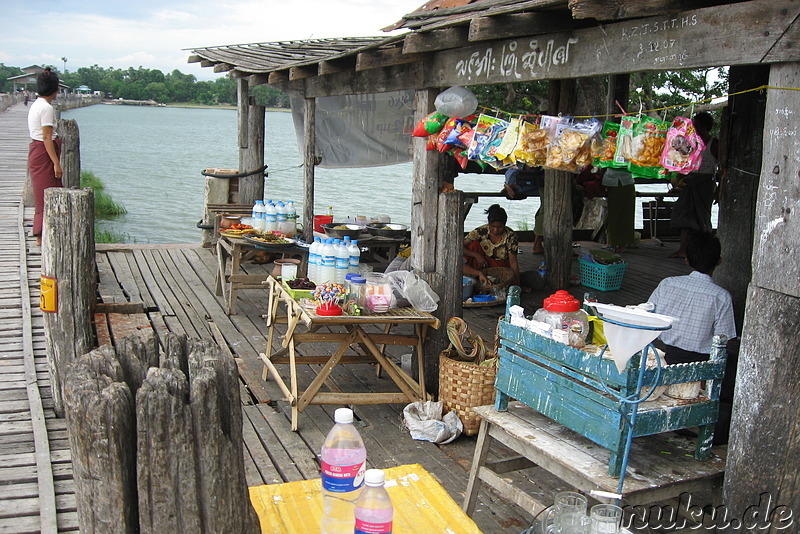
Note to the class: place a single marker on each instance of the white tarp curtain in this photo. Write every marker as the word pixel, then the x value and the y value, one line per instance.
pixel 360 130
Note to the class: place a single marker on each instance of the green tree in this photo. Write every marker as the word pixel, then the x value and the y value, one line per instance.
pixel 5 73
pixel 157 91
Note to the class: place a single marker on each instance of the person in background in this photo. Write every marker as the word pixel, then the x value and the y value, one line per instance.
pixel 493 245
pixel 45 148
pixel 704 310
pixel 26 96
pixel 692 210
pixel 621 196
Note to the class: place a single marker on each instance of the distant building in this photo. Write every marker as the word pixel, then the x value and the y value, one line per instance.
pixel 27 80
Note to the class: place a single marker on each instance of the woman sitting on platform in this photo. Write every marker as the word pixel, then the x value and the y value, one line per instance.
pixel 493 246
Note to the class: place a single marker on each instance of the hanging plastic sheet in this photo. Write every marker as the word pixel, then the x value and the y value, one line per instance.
pixel 360 130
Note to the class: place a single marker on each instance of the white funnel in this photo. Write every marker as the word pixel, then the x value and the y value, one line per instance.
pixel 624 341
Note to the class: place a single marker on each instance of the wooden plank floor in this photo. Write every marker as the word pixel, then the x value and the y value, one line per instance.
pixel 36 489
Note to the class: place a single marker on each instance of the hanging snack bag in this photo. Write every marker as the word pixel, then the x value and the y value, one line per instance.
pixel 497 132
pixel 462 126
pixel 604 154
pixel 624 142
pixel 684 147
pixel 531 145
pixel 430 143
pixel 649 138
pixel 444 134
pixel 430 124
pixel 505 151
pixel 485 134
pixel 571 149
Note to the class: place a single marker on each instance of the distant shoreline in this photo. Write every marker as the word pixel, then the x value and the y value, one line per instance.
pixel 207 106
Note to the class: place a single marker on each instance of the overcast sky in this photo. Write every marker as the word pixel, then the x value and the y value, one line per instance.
pixel 152 34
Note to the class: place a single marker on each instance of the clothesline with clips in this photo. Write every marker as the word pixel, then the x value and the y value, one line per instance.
pixel 760 88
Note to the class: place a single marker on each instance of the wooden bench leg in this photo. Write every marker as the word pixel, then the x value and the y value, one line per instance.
pixel 705 440
pixel 482 445
pixel 501 401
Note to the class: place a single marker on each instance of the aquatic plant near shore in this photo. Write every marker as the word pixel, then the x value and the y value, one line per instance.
pixel 104 208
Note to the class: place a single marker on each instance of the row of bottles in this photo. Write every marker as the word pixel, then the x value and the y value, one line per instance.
pixel 275 217
pixel 331 260
pixel 347 506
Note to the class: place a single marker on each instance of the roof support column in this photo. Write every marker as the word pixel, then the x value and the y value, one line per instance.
pixel 251 144
pixel 309 162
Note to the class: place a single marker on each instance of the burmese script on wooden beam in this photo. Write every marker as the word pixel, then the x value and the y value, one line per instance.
pixel 725 35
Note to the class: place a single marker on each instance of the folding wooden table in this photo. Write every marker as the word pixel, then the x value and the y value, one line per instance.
pixel 345 330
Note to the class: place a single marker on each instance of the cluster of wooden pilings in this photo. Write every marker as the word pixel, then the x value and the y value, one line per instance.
pixel 156 438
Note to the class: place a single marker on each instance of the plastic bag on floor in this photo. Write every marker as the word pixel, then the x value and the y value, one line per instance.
pixel 425 421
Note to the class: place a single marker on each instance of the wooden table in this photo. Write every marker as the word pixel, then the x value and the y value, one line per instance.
pixel 227 284
pixel 344 330
pixel 661 466
pixel 420 505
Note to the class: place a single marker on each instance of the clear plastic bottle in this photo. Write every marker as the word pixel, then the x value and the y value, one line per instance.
pixel 258 215
pixel 343 462
pixel 270 218
pixel 327 270
pixel 342 260
pixel 374 512
pixel 280 217
pixel 314 259
pixel 355 256
pixel 291 219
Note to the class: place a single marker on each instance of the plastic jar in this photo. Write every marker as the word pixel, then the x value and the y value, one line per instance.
pixel 563 312
pixel 378 293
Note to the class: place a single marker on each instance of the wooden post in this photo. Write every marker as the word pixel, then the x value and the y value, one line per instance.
pixel 309 164
pixel 68 255
pixel 557 201
pixel 70 152
pixel 739 186
pixel 764 452
pixel 427 175
pixel 101 427
pixel 173 460
pixel 251 145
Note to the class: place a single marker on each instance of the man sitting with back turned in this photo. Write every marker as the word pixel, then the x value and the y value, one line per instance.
pixel 703 308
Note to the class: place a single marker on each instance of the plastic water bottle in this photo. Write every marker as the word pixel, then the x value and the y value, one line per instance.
pixel 291 219
pixel 327 270
pixel 355 256
pixel 269 218
pixel 342 260
pixel 374 511
pixel 343 461
pixel 280 217
pixel 258 215
pixel 314 259
pixel 543 269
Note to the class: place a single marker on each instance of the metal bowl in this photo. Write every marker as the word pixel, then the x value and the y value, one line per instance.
pixel 391 230
pixel 341 230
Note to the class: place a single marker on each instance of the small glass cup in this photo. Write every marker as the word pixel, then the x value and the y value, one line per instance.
pixel 569 515
pixel 605 519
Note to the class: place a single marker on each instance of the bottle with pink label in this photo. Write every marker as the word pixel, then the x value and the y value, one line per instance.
pixel 343 462
pixel 374 511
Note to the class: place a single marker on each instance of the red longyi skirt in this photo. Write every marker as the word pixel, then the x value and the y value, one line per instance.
pixel 43 175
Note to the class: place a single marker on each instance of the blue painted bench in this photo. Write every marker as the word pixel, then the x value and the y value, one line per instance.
pixel 566 385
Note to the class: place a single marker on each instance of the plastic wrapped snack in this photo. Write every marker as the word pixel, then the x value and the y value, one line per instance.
pixel 571 149
pixel 430 124
pixel 649 138
pixel 505 151
pixel 531 145
pixel 604 156
pixel 684 147
pixel 488 134
pixel 625 142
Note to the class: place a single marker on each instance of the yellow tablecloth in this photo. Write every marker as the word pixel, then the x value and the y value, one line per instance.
pixel 421 505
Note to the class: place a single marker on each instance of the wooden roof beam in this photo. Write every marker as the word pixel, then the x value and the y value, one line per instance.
pixel 626 9
pixel 436 40
pixel 223 67
pixel 520 24
pixel 337 65
pixel 278 76
pixel 298 73
pixel 194 58
pixel 206 63
pixel 385 58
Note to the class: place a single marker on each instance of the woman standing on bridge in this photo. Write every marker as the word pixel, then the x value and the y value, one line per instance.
pixel 45 148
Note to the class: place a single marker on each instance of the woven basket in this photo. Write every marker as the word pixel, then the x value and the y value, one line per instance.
pixel 463 386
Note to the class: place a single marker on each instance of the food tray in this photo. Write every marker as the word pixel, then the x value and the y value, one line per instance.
pixel 269 244
pixel 297 294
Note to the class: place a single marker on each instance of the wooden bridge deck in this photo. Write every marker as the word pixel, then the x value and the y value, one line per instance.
pixel 174 285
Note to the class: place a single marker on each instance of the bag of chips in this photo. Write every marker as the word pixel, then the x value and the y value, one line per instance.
pixel 624 142
pixel 488 134
pixel 607 147
pixel 531 145
pixel 505 151
pixel 572 150
pixel 649 138
pixel 684 147
pixel 430 124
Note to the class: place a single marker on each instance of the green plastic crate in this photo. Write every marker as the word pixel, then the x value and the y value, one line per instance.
pixel 297 294
pixel 602 277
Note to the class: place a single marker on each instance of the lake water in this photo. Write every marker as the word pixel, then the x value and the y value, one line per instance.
pixel 150 159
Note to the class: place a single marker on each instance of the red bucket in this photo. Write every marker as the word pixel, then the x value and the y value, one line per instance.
pixel 319 220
